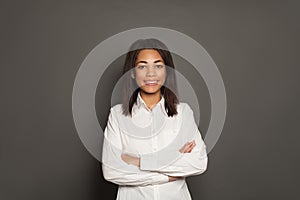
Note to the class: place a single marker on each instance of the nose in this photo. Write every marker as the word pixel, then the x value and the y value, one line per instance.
pixel 151 71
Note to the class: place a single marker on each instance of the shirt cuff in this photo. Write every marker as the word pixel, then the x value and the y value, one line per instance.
pixel 160 179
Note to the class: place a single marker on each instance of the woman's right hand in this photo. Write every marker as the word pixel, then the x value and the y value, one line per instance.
pixel 173 178
pixel 188 147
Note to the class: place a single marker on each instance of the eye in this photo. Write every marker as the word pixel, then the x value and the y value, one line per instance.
pixel 159 66
pixel 141 66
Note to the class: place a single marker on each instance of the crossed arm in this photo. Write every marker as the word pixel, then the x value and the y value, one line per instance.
pixel 124 169
pixel 132 160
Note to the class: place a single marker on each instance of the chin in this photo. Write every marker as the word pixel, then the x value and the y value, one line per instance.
pixel 150 91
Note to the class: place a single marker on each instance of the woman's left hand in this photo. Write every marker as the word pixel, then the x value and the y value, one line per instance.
pixel 131 159
pixel 188 147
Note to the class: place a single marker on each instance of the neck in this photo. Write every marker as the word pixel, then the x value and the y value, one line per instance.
pixel 151 99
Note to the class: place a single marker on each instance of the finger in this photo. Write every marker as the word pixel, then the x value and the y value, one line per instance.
pixel 124 157
pixel 182 149
pixel 187 147
pixel 189 150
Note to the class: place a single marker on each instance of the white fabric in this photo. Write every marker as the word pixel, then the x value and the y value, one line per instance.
pixel 156 139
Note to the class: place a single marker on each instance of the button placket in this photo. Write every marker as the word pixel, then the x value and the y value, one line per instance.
pixel 155 144
pixel 152 132
pixel 155 138
pixel 154 148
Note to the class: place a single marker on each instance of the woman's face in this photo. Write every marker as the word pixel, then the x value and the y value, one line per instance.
pixel 150 71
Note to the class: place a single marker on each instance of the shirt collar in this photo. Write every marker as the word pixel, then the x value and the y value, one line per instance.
pixel 140 103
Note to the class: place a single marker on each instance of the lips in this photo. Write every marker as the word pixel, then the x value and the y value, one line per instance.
pixel 151 82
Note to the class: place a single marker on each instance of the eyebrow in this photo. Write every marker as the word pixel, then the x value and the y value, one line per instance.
pixel 147 62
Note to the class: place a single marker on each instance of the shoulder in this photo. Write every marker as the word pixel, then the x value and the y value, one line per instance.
pixel 116 110
pixel 114 114
pixel 183 107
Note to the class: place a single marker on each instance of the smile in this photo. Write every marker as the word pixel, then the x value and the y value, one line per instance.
pixel 150 82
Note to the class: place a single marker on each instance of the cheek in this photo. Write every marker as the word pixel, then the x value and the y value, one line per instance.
pixel 139 76
pixel 162 75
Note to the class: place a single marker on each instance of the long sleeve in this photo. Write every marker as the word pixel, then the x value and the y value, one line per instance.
pixel 173 163
pixel 115 169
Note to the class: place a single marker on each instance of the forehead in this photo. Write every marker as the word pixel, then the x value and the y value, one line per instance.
pixel 149 54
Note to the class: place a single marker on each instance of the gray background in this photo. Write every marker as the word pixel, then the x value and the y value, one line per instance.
pixel 255 45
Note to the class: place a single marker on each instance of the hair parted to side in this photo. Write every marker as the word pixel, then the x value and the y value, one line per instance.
pixel 130 88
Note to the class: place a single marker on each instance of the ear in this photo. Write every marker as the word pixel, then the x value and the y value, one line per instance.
pixel 132 75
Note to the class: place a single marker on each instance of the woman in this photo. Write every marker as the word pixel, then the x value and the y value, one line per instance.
pixel 151 140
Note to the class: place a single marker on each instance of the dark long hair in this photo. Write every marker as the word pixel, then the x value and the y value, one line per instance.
pixel 130 89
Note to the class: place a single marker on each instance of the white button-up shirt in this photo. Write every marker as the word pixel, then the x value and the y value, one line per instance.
pixel 156 139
